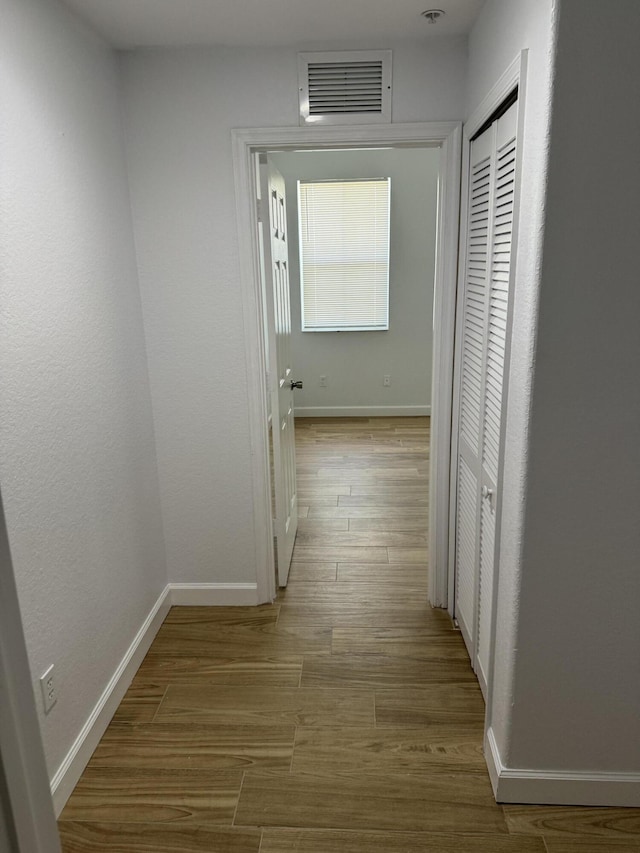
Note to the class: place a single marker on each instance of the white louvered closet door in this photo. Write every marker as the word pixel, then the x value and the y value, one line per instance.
pixel 472 350
pixel 483 337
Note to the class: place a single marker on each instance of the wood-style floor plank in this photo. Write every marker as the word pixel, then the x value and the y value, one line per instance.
pixel 177 796
pixel 78 837
pixel 265 706
pixel 396 500
pixel 265 614
pixel 459 802
pixel 448 704
pixel 370 512
pixel 355 614
pixel 317 572
pixel 368 538
pixel 389 490
pixel 358 525
pixel 323 525
pixel 208 747
pixel 139 704
pixel 412 574
pixel 554 821
pixel 319 553
pixel 407 643
pixel 354 841
pixel 408 555
pixel 205 640
pixel 377 671
pixel 566 844
pixel 399 750
pixel 357 605
pixel 331 489
pixel 356 594
pixel 280 671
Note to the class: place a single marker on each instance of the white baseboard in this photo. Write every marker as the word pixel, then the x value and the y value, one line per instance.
pixel 559 787
pixel 214 594
pixel 76 759
pixel 362 411
pixel 193 594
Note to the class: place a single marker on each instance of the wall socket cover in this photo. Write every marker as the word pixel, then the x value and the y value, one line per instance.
pixel 48 687
pixel 386 380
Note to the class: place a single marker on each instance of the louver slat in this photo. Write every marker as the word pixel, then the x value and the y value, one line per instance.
pixel 485 586
pixel 498 306
pixel 342 91
pixel 465 546
pixel 474 306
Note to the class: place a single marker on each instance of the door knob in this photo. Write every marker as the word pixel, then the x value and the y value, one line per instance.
pixel 296 384
pixel 487 492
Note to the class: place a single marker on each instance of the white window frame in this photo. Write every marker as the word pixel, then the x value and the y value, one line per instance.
pixel 333 327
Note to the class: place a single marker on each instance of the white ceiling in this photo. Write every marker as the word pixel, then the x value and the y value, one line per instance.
pixel 133 23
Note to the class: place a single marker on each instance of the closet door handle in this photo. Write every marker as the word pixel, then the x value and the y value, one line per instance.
pixel 487 492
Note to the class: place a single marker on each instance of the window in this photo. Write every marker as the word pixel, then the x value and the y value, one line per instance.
pixel 344 254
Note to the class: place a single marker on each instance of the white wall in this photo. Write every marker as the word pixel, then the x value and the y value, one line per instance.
pixel 180 108
pixel 77 459
pixel 355 362
pixel 577 686
pixel 566 703
pixel 506 27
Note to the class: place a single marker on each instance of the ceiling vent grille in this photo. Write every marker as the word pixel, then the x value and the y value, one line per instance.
pixel 345 87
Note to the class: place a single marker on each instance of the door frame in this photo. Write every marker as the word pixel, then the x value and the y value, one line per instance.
pixel 29 801
pixel 247 143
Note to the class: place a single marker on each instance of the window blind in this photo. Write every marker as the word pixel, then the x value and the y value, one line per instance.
pixel 344 254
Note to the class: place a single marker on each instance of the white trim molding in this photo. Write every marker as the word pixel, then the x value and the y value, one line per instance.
pixel 69 772
pixel 559 787
pixel 214 594
pixel 362 411
pixel 513 76
pixel 249 142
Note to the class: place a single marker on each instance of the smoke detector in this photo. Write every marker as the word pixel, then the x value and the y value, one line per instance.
pixel 432 15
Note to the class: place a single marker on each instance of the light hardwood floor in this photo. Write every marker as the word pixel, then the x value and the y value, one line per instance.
pixel 345 718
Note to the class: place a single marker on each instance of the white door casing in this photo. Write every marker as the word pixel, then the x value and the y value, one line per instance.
pixel 247 143
pixel 27 803
pixel 483 345
pixel 273 217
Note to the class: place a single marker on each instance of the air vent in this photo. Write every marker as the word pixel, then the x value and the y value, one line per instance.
pixel 341 87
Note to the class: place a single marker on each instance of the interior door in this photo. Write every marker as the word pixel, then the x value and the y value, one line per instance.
pixel 499 277
pixel 273 216
pixel 484 341
pixel 472 368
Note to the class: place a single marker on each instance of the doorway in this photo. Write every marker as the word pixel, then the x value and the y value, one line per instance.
pixel 247 145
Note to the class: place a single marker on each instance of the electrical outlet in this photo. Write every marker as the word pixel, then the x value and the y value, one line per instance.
pixel 323 381
pixel 48 687
pixel 386 380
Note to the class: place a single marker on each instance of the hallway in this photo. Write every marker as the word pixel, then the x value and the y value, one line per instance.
pixel 345 718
